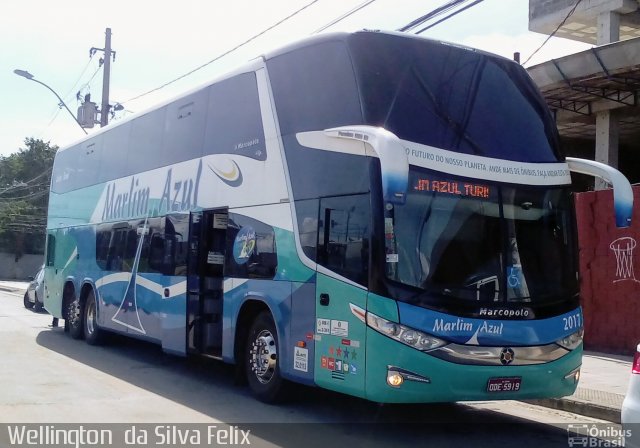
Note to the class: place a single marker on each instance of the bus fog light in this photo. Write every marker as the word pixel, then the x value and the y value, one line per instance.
pixel 394 379
pixel 574 374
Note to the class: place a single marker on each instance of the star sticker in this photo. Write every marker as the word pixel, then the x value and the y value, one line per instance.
pixel 331 350
pixel 346 353
pixel 353 354
pixel 339 351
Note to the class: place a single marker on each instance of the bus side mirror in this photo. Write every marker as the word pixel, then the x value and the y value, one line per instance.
pixel 622 191
pixel 394 162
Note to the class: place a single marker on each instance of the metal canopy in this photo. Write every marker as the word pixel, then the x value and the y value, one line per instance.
pixel 603 78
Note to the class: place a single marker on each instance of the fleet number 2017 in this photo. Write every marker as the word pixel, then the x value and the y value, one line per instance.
pixel 572 322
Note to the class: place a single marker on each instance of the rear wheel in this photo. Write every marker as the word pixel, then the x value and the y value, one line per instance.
pixel 92 334
pixel 28 305
pixel 74 319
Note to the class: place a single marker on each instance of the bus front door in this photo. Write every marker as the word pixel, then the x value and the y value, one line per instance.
pixel 205 281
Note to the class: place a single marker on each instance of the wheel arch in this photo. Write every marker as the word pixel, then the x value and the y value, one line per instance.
pixel 68 295
pixel 247 313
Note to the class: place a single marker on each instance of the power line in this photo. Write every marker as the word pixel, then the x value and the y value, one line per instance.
pixel 554 32
pixel 430 15
pixel 255 36
pixel 344 16
pixel 66 95
pixel 449 16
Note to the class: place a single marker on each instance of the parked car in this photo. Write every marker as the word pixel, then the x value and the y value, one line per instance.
pixel 35 291
pixel 631 404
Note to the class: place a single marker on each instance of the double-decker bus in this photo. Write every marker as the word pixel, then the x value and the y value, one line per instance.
pixel 373 213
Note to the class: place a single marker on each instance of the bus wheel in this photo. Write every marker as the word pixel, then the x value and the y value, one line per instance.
pixel 261 360
pixel 92 334
pixel 74 318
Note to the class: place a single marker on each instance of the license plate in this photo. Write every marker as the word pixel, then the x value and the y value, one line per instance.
pixel 506 384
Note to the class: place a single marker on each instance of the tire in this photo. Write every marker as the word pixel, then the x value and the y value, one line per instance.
pixel 74 318
pixel 28 305
pixel 262 365
pixel 37 306
pixel 92 334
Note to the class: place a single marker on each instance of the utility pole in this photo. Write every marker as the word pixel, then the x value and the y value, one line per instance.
pixel 104 110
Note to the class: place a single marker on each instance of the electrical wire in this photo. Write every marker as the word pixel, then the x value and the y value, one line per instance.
pixel 554 32
pixel 200 67
pixel 449 16
pixel 73 87
pixel 430 15
pixel 344 16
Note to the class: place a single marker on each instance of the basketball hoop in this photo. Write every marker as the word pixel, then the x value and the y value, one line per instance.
pixel 623 250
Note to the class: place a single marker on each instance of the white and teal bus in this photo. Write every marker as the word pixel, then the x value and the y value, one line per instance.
pixel 373 213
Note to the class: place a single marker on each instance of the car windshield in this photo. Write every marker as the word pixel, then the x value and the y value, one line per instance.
pixel 481 241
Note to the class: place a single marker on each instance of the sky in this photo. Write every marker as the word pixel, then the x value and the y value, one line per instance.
pixel 157 41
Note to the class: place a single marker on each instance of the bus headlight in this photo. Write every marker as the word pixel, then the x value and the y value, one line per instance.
pixel 406 335
pixel 572 341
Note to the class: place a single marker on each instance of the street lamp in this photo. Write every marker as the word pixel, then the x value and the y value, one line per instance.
pixel 25 74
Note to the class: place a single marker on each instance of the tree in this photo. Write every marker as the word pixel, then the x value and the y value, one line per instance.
pixel 24 192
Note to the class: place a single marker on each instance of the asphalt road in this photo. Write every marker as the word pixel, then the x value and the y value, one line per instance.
pixel 47 378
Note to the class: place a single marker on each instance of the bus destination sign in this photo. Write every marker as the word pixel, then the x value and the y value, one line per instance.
pixel 454 187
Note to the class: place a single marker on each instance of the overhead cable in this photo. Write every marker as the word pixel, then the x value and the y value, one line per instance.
pixel 449 16
pixel 344 16
pixel 554 32
pixel 430 15
pixel 200 67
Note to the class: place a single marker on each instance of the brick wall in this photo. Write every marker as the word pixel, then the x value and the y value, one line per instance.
pixel 608 285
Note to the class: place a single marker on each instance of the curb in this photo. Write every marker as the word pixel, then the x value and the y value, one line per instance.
pixel 587 409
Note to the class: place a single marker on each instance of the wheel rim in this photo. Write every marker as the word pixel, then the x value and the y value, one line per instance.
pixel 74 314
pixel 264 356
pixel 91 317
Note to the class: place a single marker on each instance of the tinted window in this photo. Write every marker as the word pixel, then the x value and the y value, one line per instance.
pixel 316 173
pixel 51 250
pixel 145 145
pixel 343 236
pixel 184 128
pixel 251 248
pixel 307 212
pixel 166 253
pixel 314 88
pixel 116 147
pixel 452 98
pixel 234 122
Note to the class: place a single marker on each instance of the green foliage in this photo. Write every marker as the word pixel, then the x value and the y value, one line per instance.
pixel 24 193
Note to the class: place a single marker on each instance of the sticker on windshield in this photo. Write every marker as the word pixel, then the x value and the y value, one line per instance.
pixel 244 244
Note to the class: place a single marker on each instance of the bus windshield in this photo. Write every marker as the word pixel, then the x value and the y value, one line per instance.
pixel 450 98
pixel 480 241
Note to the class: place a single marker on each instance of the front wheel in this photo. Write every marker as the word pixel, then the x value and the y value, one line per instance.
pixel 261 360
pixel 92 334
pixel 27 304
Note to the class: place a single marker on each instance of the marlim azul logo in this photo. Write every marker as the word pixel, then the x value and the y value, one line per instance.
pixel 229 174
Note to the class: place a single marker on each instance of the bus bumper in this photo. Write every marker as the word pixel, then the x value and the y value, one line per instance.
pixel 437 380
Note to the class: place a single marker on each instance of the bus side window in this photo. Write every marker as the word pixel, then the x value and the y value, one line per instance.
pixel 251 248
pixel 343 236
pixel 51 249
pixel 103 238
pixel 162 254
pixel 307 213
